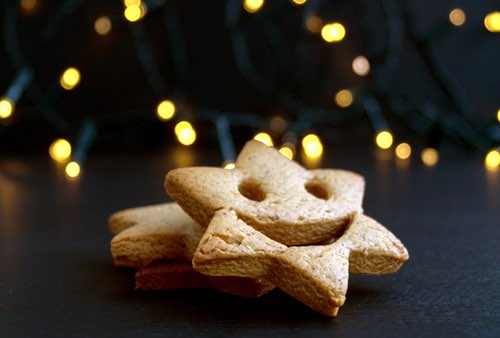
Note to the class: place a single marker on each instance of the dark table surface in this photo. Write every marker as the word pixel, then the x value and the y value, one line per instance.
pixel 57 277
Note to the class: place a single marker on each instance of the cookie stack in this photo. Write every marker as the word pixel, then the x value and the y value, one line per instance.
pixel 268 222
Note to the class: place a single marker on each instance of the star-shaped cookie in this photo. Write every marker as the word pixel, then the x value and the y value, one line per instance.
pixel 315 275
pixel 152 233
pixel 160 240
pixel 274 195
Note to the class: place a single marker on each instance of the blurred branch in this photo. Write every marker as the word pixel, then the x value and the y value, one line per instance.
pixel 377 99
pixel 177 46
pixel 225 139
pixel 240 49
pixel 20 63
pixel 62 12
pixel 147 59
pixel 437 68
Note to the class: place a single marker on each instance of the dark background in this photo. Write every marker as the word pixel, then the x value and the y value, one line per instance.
pixel 295 63
pixel 56 271
pixel 57 278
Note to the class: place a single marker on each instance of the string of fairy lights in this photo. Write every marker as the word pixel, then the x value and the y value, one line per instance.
pixel 308 143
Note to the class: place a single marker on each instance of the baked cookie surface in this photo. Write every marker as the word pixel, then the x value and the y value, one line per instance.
pixel 160 240
pixel 274 195
pixel 151 233
pixel 316 275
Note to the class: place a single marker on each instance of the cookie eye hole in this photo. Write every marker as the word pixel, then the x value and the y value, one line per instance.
pixel 252 191
pixel 317 190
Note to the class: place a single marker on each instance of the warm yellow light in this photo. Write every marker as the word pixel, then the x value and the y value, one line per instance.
pixel 70 78
pixel 28 5
pixel 314 24
pixel 133 12
pixel 457 17
pixel 287 150
pixel 299 2
pixel 6 108
pixel 498 115
pixel 264 138
pixel 252 6
pixel 132 2
pixel 333 32
pixel 230 165
pixel 361 65
pixel 185 133
pixel 72 169
pixel 312 146
pixel 102 25
pixel 492 160
pixel 429 156
pixel 165 110
pixel 181 126
pixel 60 150
pixel 144 10
pixel 492 22
pixel 384 139
pixel 344 98
pixel 403 151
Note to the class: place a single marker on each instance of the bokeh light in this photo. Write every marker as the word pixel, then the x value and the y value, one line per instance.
pixel 314 23
pixel 333 32
pixel 287 150
pixel 144 10
pixel 312 146
pixel 403 151
pixel 70 78
pixel 185 133
pixel 133 12
pixel 299 2
pixel 29 5
pixel 384 139
pixel 132 2
pixel 72 169
pixel 498 115
pixel 6 108
pixel 492 160
pixel 229 165
pixel 102 25
pixel 344 98
pixel 60 150
pixel 492 22
pixel 165 110
pixel 361 65
pixel 429 156
pixel 264 138
pixel 277 124
pixel 253 6
pixel 457 17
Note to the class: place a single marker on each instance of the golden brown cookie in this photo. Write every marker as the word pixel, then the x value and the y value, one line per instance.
pixel 181 275
pixel 315 275
pixel 151 233
pixel 154 215
pixel 274 195
pixel 163 232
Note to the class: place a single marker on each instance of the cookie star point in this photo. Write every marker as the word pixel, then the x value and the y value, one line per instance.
pixel 151 233
pixel 315 275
